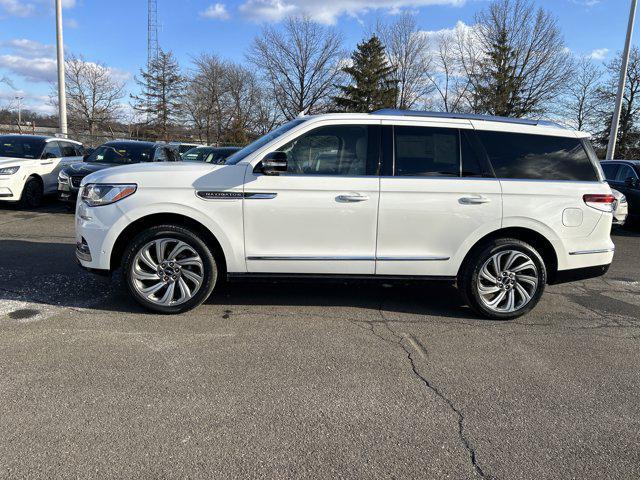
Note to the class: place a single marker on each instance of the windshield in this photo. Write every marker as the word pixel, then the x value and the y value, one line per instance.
pixel 198 154
pixel 124 153
pixel 262 141
pixel 21 147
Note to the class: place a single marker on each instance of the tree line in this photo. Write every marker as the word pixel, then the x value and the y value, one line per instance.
pixel 511 61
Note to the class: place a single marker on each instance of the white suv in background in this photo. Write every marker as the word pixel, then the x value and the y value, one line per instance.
pixel 501 206
pixel 29 166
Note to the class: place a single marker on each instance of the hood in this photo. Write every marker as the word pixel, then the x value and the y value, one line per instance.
pixel 9 162
pixel 83 169
pixel 158 174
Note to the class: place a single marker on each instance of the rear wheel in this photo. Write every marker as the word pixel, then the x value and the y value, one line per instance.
pixel 503 280
pixel 169 269
pixel 32 194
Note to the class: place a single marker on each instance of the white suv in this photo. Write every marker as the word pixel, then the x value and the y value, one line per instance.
pixel 29 166
pixel 501 206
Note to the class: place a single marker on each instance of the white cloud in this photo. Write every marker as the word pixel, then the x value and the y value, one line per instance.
pixel 32 69
pixel 218 11
pixel 17 8
pixel 71 23
pixel 30 48
pixel 599 54
pixel 328 11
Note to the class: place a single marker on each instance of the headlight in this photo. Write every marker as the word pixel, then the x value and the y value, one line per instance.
pixel 97 194
pixel 63 177
pixel 9 170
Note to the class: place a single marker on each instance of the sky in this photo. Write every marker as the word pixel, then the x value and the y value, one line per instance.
pixel 114 32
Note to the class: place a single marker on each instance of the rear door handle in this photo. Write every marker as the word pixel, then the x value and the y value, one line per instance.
pixel 46 163
pixel 474 200
pixel 352 198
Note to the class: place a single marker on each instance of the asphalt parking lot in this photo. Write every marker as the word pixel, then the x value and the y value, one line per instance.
pixel 309 380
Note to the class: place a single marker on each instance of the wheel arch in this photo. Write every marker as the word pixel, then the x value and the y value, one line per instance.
pixel 155 219
pixel 534 238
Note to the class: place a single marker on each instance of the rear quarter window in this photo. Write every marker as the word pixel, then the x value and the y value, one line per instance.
pixel 538 157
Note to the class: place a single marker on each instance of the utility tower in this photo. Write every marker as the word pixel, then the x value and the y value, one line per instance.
pixel 152 32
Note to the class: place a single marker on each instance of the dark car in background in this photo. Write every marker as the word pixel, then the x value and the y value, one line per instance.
pixel 209 154
pixel 624 176
pixel 112 154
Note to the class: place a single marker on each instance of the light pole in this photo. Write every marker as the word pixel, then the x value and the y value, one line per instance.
pixel 615 121
pixel 19 99
pixel 62 94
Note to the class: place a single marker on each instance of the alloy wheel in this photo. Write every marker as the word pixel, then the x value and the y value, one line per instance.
pixel 167 272
pixel 507 281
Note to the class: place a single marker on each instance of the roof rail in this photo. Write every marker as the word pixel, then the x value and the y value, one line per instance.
pixel 466 116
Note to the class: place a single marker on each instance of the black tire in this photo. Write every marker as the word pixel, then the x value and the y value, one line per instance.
pixel 32 193
pixel 470 276
pixel 193 240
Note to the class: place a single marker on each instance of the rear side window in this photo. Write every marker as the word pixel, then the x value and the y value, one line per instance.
pixel 625 173
pixel 610 171
pixel 68 149
pixel 537 157
pixel 425 151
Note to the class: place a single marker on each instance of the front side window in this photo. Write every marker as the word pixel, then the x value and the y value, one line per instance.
pixel 262 141
pixel 68 149
pixel 625 173
pixel 345 150
pixel 538 157
pixel 427 152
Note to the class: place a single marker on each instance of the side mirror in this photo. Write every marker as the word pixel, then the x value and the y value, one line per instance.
pixel 273 163
pixel 632 182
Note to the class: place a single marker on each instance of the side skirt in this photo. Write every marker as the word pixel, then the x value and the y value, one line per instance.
pixel 238 277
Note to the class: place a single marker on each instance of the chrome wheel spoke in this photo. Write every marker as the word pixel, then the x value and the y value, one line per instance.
pixel 191 261
pixel 533 281
pixel 487 290
pixel 149 291
pixel 142 275
pixel 177 250
pixel 168 295
pixel 185 291
pixel 194 277
pixel 525 266
pixel 499 298
pixel 145 257
pixel 486 274
pixel 511 301
pixel 526 298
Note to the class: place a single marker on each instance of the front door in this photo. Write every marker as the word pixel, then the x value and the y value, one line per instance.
pixel 49 166
pixel 439 194
pixel 319 216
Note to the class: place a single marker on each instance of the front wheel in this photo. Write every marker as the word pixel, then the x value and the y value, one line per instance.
pixel 32 194
pixel 503 280
pixel 169 269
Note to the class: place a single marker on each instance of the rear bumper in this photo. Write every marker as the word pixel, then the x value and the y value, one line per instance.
pixel 577 274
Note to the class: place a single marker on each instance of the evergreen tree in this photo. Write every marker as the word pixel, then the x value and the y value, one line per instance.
pixel 497 90
pixel 372 85
pixel 161 99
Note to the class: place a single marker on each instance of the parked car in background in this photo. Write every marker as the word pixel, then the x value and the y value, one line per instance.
pixel 209 154
pixel 182 147
pixel 29 166
pixel 624 176
pixel 622 209
pixel 111 154
pixel 500 206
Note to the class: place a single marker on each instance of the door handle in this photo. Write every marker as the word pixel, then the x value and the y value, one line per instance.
pixel 474 200
pixel 46 163
pixel 352 198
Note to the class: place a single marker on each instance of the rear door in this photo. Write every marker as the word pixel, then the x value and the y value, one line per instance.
pixel 49 166
pixel 319 217
pixel 438 196
pixel 622 182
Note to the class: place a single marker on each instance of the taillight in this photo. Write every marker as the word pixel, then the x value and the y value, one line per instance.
pixel 602 202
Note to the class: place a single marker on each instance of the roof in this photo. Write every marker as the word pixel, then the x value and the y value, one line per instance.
pixel 131 142
pixel 633 162
pixel 467 116
pixel 42 138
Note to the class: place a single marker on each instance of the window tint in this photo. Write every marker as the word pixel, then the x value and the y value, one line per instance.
pixel 347 150
pixel 52 150
pixel 624 173
pixel 423 151
pixel 473 163
pixel 539 157
pixel 68 149
pixel 610 171
pixel 161 155
pixel 21 147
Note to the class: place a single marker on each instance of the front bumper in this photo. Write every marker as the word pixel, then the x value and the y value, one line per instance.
pixel 66 191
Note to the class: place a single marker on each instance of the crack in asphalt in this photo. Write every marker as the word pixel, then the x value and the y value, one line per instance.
pixel 402 339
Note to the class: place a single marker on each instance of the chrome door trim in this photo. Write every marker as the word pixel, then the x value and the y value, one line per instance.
pixel 221 195
pixel 346 259
pixel 413 259
pixel 260 196
pixel 310 259
pixel 592 252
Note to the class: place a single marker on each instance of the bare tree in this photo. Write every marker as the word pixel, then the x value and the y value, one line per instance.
pixel 300 63
pixel 515 59
pixel 580 102
pixel 407 51
pixel 448 76
pixel 93 94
